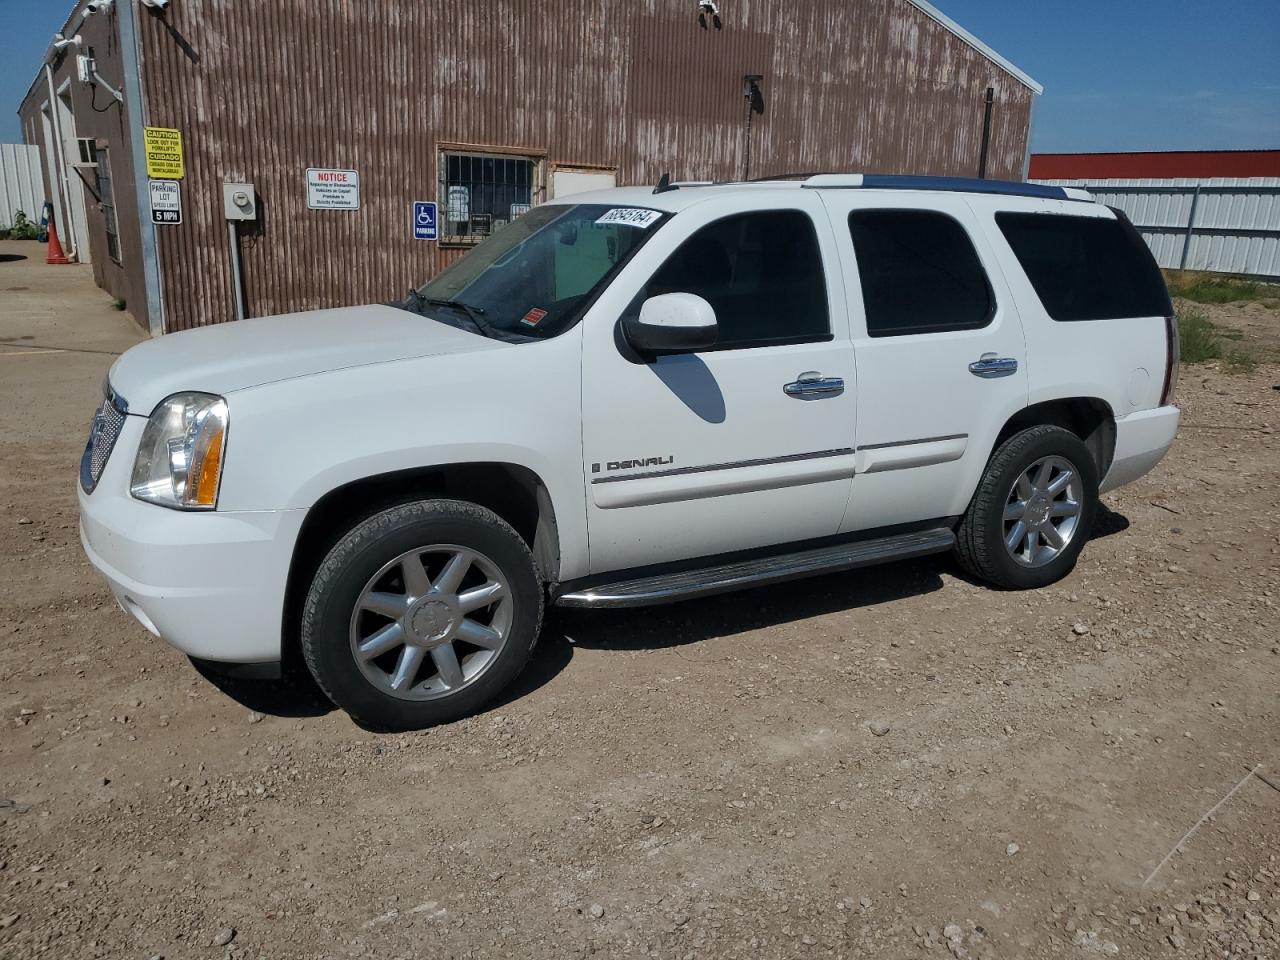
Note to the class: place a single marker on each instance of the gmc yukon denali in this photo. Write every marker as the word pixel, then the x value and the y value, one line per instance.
pixel 632 397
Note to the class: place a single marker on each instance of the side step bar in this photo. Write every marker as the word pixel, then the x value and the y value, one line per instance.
pixel 668 587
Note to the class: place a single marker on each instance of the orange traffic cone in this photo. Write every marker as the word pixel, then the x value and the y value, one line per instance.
pixel 56 256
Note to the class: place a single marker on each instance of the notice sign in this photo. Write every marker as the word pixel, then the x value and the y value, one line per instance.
pixel 166 202
pixel 425 222
pixel 164 153
pixel 333 189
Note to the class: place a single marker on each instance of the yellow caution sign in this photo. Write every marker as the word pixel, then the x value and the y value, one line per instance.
pixel 164 153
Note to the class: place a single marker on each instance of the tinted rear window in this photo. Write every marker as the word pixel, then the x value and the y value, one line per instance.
pixel 919 273
pixel 1086 268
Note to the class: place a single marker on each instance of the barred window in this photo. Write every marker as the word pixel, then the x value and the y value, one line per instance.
pixel 480 192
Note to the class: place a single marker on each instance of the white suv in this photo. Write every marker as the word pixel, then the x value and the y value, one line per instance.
pixel 626 398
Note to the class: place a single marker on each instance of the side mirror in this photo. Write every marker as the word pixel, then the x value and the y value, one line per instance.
pixel 672 323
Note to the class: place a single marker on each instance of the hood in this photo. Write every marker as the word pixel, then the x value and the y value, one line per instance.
pixel 227 357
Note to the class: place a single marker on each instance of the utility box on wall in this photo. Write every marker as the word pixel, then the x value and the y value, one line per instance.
pixel 239 201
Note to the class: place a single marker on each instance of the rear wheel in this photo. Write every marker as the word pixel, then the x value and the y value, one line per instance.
pixel 1032 512
pixel 421 614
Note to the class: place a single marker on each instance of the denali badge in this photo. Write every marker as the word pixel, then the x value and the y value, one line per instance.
pixel 631 464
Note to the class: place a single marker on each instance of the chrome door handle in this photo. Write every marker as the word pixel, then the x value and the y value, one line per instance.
pixel 990 367
pixel 814 386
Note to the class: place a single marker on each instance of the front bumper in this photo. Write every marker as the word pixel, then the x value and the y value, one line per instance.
pixel 210 584
pixel 1142 440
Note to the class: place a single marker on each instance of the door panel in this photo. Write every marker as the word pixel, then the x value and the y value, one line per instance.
pixel 926 421
pixel 704 453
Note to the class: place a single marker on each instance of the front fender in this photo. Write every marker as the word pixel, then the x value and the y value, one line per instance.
pixel 290 443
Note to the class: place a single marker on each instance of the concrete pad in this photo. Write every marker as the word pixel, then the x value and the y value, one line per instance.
pixel 59 334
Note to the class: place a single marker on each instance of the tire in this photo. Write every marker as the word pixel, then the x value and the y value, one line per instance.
pixel 981 545
pixel 395 629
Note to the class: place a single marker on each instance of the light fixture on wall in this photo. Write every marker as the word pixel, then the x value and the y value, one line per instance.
pixel 709 8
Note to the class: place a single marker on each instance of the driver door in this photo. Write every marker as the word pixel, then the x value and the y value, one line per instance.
pixel 744 445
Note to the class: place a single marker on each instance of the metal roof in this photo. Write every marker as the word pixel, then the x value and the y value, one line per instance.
pixel 1155 164
pixel 929 10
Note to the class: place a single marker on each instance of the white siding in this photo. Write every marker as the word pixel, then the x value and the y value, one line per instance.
pixel 21 182
pixel 1236 227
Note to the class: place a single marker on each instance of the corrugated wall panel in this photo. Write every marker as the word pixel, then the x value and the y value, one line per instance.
pixel 263 90
pixel 1236 227
pixel 21 182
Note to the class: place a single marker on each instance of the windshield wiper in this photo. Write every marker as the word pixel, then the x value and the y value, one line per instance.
pixel 473 313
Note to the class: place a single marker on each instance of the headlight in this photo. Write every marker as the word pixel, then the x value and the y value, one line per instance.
pixel 180 458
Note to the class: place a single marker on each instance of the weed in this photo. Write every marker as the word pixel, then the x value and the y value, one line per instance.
pixel 1209 288
pixel 22 228
pixel 1239 363
pixel 1201 341
pixel 118 304
pixel 1198 337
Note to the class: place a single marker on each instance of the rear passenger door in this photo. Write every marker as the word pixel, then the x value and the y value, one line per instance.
pixel 939 350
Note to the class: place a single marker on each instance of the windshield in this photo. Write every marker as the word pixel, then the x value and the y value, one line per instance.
pixel 537 275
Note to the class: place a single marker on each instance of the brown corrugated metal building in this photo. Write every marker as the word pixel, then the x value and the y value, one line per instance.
pixel 484 108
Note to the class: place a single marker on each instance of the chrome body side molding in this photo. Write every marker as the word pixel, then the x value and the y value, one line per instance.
pixel 878 457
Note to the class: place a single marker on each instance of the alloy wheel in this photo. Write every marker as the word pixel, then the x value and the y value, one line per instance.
pixel 1042 511
pixel 431 622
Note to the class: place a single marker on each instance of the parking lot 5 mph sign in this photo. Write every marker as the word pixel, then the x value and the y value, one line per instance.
pixel 166 202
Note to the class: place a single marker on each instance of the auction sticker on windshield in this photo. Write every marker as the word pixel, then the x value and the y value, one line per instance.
pixel 632 217
pixel 534 316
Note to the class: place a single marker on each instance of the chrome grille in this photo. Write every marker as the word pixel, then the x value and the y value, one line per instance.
pixel 107 423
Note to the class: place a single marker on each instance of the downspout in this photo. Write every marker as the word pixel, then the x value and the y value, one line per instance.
pixel 131 57
pixel 987 101
pixel 1031 122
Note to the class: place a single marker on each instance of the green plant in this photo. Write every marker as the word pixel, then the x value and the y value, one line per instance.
pixel 1203 288
pixel 118 304
pixel 22 228
pixel 1201 340
pixel 1198 337
pixel 1239 363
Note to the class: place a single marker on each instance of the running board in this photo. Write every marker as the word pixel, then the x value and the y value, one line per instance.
pixel 669 587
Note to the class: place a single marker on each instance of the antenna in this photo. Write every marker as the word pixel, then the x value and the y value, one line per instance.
pixel 665 185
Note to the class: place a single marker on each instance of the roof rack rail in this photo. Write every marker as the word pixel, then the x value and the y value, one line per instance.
pixel 891 181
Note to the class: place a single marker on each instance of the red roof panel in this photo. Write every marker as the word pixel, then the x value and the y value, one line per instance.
pixel 1161 165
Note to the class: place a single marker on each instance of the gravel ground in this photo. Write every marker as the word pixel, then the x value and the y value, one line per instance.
pixel 891 763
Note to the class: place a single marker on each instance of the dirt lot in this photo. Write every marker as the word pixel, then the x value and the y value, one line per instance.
pixel 696 781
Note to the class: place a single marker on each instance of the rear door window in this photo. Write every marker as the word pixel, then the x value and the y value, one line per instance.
pixel 919 273
pixel 1086 268
pixel 761 272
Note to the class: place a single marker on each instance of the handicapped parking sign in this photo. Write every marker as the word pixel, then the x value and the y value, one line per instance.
pixel 425 222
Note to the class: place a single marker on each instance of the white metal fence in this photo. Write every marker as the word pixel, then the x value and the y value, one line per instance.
pixel 1218 224
pixel 21 183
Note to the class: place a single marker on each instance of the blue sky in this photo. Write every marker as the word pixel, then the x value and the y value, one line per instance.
pixel 1141 74
pixel 1118 74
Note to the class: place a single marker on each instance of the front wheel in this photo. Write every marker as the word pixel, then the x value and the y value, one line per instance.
pixel 1032 512
pixel 421 614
